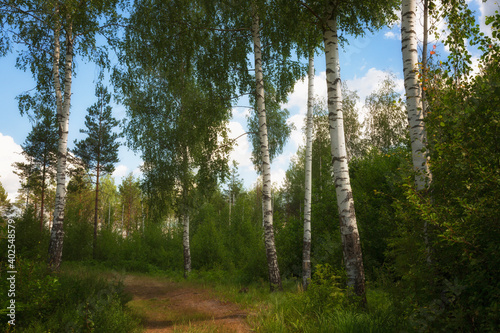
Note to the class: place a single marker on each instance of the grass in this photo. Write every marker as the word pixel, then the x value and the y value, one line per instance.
pixel 72 300
pixel 147 311
pixel 324 309
pixel 318 310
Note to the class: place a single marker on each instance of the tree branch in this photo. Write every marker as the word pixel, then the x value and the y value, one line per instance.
pixel 25 12
pixel 303 4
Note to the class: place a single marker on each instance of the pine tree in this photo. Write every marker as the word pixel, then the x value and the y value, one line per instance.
pixel 40 147
pixel 99 150
pixel 5 204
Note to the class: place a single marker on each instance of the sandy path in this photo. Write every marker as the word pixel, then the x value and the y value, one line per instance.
pixel 166 306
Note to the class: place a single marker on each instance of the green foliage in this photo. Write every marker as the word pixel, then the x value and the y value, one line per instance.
pixel 446 250
pixel 207 243
pixel 30 241
pixel 78 217
pixel 5 204
pixel 130 204
pixel 78 233
pixel 376 180
pixel 325 309
pixel 289 237
pixel 99 149
pixel 66 302
pixel 386 122
pixel 278 130
pixel 325 292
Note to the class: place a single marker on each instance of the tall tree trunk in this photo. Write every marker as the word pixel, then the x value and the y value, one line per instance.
pixel 63 106
pixel 185 213
pixel 185 244
pixel 44 171
pixel 267 210
pixel 424 55
pixel 413 97
pixel 123 211
pixel 353 259
pixel 98 169
pixel 306 254
pixel 94 244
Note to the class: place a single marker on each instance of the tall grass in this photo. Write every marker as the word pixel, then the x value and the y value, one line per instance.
pixel 324 307
pixel 290 312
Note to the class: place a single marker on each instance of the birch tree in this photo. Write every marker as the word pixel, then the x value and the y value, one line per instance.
pixel 409 49
pixel 306 255
pixel 354 18
pixel 267 210
pixel 177 87
pixel 386 123
pixel 275 75
pixel 196 54
pixel 50 33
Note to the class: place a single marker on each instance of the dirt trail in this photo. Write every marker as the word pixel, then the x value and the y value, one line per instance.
pixel 166 306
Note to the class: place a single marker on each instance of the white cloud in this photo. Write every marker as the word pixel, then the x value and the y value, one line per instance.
pixel 487 8
pixel 367 84
pixel 297 101
pixel 297 135
pixel 392 35
pixel 10 152
pixel 298 98
pixel 242 153
pixel 120 171
pixel 277 176
pixel 241 112
pixel 137 172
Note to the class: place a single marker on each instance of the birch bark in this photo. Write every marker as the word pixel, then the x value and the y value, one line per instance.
pixel 306 254
pixel 44 174
pixel 267 210
pixel 185 213
pixel 63 102
pixel 413 97
pixel 353 260
pixel 185 243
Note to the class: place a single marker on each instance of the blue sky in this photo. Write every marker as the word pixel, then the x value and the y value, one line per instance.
pixel 363 61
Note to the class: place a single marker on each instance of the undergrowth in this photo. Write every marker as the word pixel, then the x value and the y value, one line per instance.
pixel 78 300
pixel 324 307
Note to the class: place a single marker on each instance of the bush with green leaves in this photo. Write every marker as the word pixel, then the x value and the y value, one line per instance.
pixel 30 241
pixel 65 302
pixel 446 252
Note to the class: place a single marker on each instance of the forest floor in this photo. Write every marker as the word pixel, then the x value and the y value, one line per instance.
pixel 167 306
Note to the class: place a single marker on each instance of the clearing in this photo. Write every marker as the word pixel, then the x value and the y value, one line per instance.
pixel 167 306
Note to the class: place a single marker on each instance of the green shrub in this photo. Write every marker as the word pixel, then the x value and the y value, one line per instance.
pixel 324 292
pixel 66 302
pixel 31 243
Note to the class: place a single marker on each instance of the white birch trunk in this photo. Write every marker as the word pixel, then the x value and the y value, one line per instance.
pixel 353 259
pixel 63 105
pixel 306 254
pixel 184 205
pixel 185 244
pixel 413 98
pixel 267 210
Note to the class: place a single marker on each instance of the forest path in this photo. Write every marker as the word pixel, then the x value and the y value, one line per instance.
pixel 167 306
